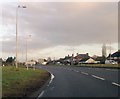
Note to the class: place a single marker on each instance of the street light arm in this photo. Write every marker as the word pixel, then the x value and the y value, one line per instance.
pixel 24 6
pixel 21 6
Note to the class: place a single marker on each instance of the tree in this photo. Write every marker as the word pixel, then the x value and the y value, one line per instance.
pixel 49 59
pixel 10 60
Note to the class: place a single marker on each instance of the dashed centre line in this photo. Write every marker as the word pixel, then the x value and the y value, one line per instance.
pixel 76 71
pixel 98 77
pixel 115 84
pixel 84 73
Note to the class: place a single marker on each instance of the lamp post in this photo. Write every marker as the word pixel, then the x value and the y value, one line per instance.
pixel 27 49
pixel 17 34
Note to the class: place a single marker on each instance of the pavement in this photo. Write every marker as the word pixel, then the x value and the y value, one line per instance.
pixel 68 81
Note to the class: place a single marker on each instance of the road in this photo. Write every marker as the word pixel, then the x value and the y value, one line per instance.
pixel 81 82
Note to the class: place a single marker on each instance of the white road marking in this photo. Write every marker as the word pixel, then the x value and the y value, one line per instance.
pixel 98 77
pixel 52 77
pixel 115 84
pixel 84 73
pixel 76 71
pixel 41 94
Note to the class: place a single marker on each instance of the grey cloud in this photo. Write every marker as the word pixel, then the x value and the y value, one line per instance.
pixel 53 24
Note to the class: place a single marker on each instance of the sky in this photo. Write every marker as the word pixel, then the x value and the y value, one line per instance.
pixel 58 28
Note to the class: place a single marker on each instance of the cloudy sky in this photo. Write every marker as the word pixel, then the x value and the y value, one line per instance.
pixel 59 28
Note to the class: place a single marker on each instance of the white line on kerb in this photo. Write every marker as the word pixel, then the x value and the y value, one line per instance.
pixel 52 77
pixel 115 84
pixel 41 94
pixel 84 73
pixel 98 77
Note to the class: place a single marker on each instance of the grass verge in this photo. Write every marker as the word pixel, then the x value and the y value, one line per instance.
pixel 114 66
pixel 21 82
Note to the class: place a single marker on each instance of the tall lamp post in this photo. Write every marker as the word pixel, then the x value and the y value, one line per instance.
pixel 17 34
pixel 27 49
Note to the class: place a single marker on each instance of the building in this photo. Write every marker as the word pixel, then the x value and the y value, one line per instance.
pixel 100 59
pixel 80 57
pixel 115 56
pixel 41 61
pixel 68 60
pixel 90 61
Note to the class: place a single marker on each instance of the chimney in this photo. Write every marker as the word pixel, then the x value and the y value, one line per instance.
pixel 87 54
pixel 77 54
pixel 72 55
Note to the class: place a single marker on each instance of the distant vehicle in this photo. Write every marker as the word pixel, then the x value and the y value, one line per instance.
pixel 110 62
pixel 44 63
pixel 30 63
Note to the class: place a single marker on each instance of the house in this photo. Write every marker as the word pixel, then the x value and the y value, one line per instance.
pixel 115 56
pixel 100 59
pixel 67 60
pixel 41 61
pixel 90 61
pixel 110 62
pixel 81 57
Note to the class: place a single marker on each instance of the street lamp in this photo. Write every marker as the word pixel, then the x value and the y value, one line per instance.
pixel 17 33
pixel 27 49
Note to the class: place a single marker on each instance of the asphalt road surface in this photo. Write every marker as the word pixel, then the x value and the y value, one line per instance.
pixel 81 82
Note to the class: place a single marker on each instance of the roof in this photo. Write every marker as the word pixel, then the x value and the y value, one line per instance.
pixel 100 58
pixel 67 57
pixel 116 54
pixel 90 60
pixel 84 59
pixel 82 56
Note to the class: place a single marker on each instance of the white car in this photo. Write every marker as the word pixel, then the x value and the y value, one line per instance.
pixel 44 63
pixel 110 62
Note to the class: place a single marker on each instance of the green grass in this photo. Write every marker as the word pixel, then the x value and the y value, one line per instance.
pixel 21 82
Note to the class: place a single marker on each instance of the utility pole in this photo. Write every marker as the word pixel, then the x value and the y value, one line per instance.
pixel 110 50
pixel 16 63
pixel 27 49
